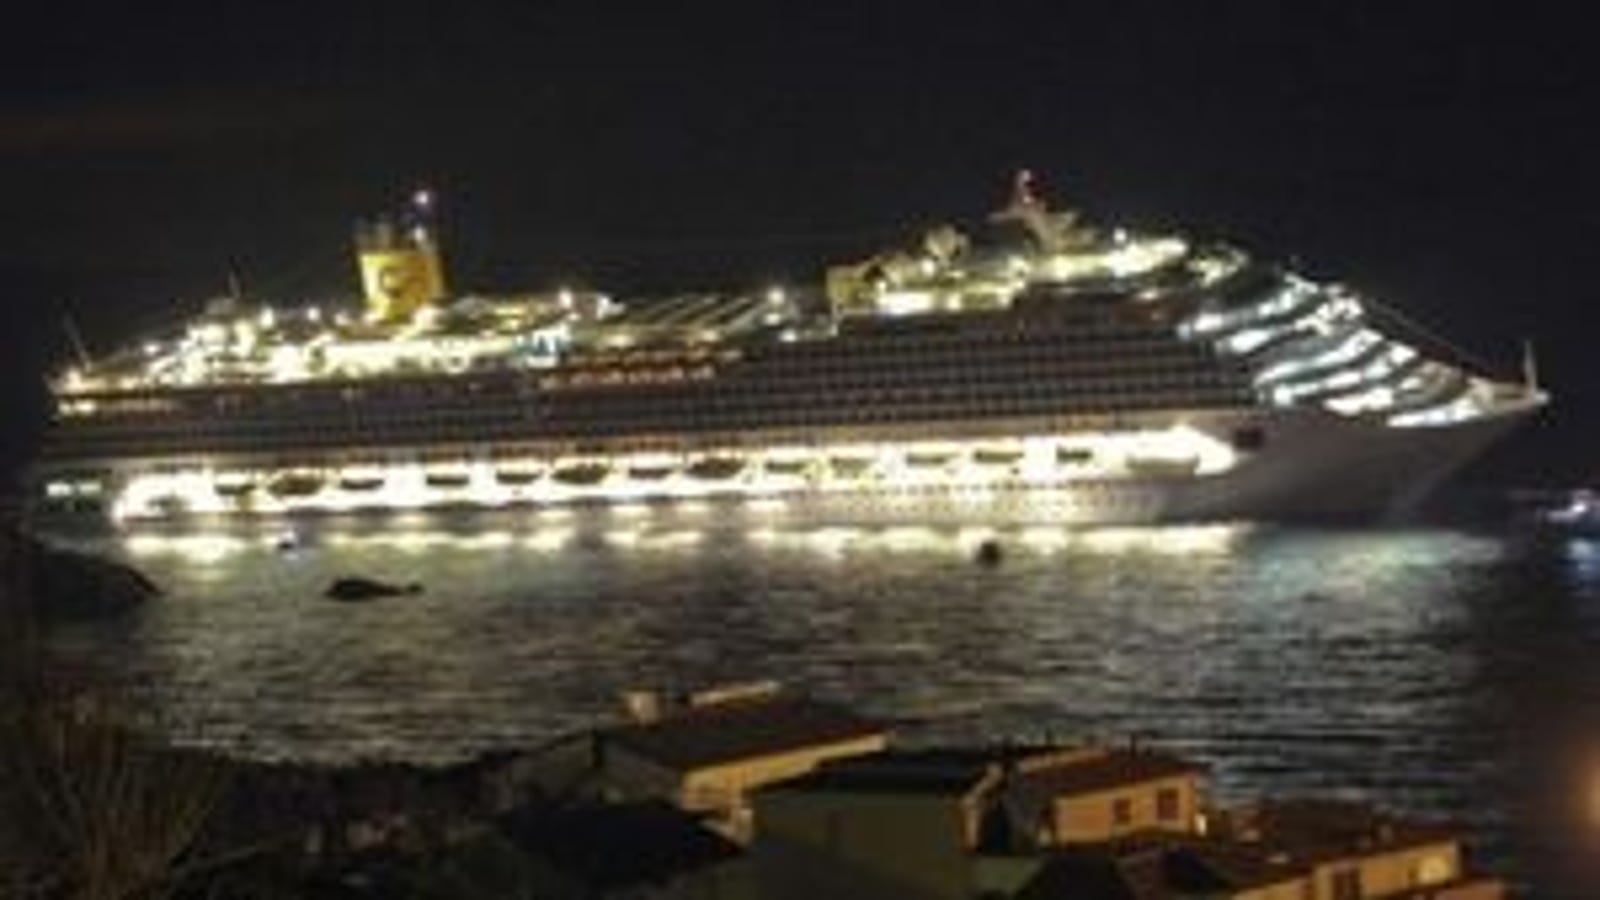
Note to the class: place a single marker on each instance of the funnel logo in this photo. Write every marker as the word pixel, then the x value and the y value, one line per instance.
pixel 394 279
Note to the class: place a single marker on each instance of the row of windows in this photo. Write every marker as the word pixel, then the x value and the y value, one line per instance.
pixel 992 379
pixel 267 434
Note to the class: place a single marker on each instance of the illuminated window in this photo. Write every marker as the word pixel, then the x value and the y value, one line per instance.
pixel 1122 811
pixel 1347 884
pixel 1167 805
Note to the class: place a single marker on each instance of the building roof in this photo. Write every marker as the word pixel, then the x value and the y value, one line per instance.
pixel 734 730
pixel 923 770
pixel 1086 876
pixel 937 772
pixel 1316 830
pixel 1156 868
pixel 1094 772
pixel 613 845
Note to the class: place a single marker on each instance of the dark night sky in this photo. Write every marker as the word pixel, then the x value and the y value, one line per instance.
pixel 1440 159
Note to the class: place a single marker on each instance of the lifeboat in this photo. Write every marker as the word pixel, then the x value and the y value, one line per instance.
pixel 997 456
pixel 583 474
pixel 234 484
pixel 361 479
pixel 447 477
pixel 786 466
pixel 518 474
pixel 927 459
pixel 850 466
pixel 1074 456
pixel 169 505
pixel 295 484
pixel 650 471
pixel 716 468
pixel 1163 466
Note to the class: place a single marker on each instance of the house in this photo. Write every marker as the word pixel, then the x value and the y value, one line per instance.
pixel 648 849
pixel 1355 851
pixel 1078 796
pixel 1163 868
pixel 706 756
pixel 961 822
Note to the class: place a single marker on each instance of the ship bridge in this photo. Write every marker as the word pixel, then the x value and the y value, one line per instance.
pixel 1311 345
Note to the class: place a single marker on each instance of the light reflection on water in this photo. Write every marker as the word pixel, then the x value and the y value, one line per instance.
pixel 1447 673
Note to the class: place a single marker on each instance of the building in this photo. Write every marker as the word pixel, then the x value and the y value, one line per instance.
pixel 961 822
pixel 1081 823
pixel 707 755
pixel 1353 851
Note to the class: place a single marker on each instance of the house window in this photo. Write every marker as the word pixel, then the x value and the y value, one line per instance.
pixel 1122 811
pixel 1347 884
pixel 1434 870
pixel 1167 804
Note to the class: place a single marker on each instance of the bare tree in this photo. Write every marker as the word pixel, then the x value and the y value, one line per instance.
pixel 91 808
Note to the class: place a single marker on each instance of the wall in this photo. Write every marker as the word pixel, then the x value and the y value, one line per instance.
pixel 909 839
pixel 1394 871
pixel 1090 817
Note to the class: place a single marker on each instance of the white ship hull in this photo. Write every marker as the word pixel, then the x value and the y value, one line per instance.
pixel 1311 466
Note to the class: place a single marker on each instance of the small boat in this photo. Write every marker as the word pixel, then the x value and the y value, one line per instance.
pixel 295 484
pixel 518 475
pixel 850 466
pixel 170 505
pixel 361 480
pixel 582 474
pixel 650 472
pixel 1164 466
pixel 716 468
pixel 1074 456
pixel 996 456
pixel 234 485
pixel 926 459
pixel 785 466
pixel 447 478
pixel 1578 514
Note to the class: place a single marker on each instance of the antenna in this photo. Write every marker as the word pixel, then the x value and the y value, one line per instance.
pixel 1530 365
pixel 235 285
pixel 75 339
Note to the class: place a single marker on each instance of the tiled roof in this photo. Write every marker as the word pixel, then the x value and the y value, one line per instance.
pixel 1079 875
pixel 741 729
pixel 1104 771
pixel 1314 829
pixel 618 845
pixel 921 770
pixel 1157 867
pixel 935 772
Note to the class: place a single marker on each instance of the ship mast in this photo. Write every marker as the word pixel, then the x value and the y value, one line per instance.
pixel 76 340
pixel 1050 229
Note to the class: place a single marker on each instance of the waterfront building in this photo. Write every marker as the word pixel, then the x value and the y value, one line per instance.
pixel 955 821
pixel 1354 851
pixel 707 755
pixel 1082 824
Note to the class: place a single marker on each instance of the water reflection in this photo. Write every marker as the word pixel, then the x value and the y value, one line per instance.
pixel 1450 673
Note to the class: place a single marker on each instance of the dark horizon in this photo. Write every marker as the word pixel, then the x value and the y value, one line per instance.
pixel 1436 159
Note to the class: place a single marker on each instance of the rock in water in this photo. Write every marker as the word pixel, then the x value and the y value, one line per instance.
pixel 358 588
pixel 989 553
pixel 65 585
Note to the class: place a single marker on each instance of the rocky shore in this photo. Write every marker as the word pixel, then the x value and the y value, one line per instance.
pixel 65 585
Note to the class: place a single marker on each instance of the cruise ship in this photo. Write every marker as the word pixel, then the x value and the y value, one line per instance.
pixel 1034 368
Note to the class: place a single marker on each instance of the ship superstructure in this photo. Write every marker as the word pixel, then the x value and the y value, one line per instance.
pixel 1057 373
